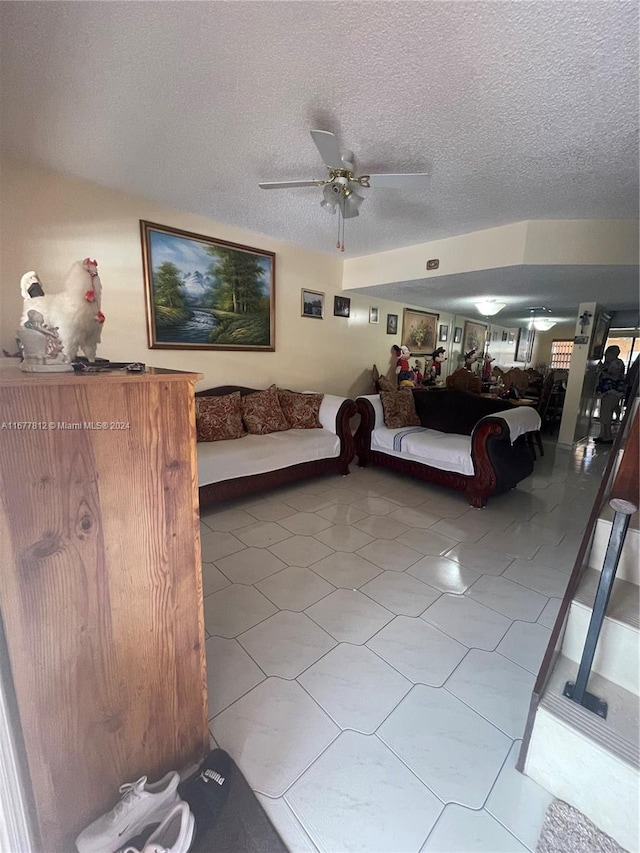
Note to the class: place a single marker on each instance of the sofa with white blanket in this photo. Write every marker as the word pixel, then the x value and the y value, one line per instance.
pixel 232 468
pixel 478 448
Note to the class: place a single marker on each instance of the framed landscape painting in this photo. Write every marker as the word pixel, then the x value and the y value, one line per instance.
pixel 474 337
pixel 312 304
pixel 203 293
pixel 419 330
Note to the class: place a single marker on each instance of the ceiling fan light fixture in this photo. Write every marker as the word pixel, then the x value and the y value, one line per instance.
pixel 351 204
pixel 489 307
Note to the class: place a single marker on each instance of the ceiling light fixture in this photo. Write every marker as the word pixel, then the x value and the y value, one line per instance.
pixel 541 324
pixel 489 307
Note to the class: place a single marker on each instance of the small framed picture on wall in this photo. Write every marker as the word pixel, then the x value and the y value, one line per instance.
pixel 392 324
pixel 374 315
pixel 457 335
pixel 312 304
pixel 341 306
pixel 444 333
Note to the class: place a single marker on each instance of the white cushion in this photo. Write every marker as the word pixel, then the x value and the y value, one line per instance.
pixel 519 419
pixel 446 451
pixel 257 454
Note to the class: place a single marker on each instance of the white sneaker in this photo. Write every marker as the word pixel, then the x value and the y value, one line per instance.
pixel 175 833
pixel 141 804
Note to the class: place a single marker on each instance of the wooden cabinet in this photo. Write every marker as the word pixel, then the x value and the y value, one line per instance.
pixel 100 584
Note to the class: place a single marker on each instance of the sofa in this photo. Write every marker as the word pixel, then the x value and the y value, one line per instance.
pixel 233 467
pixel 456 439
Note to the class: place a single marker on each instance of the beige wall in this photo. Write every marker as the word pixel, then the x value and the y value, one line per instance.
pixel 49 221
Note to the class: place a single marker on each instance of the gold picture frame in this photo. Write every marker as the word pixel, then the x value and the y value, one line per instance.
pixel 419 331
pixel 475 335
pixel 204 293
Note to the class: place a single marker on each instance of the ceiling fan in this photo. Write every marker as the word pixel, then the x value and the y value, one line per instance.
pixel 341 184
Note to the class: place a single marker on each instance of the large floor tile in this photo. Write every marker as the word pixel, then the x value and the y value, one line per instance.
pixel 522 539
pixel 462 830
pixel 289 827
pixel 420 518
pixel 359 797
pixel 294 588
pixel 382 527
pixel 306 502
pixel 212 579
pixel 400 593
pixel 419 651
pixel 261 534
pixel 341 514
pixel 542 579
pixel 230 673
pixel 226 519
pixel 343 495
pixel 561 557
pixel 480 558
pixel 235 609
pixel 456 752
pixel 343 537
pixel 390 554
pixel 375 506
pixel 509 598
pixel 216 545
pixel 444 502
pixel 250 565
pixel 273 733
pixel 306 523
pixel 300 550
pixel 286 643
pixel 349 616
pixel 355 687
pixel 550 613
pixel 518 802
pixel 427 542
pixel 464 529
pixel 525 644
pixel 347 570
pixel 270 510
pixel 467 621
pixel 444 574
pixel 494 687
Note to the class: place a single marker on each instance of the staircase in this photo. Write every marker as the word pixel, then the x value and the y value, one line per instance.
pixel 589 761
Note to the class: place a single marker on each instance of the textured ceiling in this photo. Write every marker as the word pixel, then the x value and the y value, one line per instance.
pixel 557 288
pixel 518 110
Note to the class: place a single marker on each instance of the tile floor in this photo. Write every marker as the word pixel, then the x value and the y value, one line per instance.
pixel 372 646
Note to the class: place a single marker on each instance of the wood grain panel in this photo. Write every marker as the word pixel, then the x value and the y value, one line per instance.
pixel 102 593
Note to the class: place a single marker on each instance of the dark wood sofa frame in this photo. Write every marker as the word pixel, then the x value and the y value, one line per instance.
pixel 498 464
pixel 225 490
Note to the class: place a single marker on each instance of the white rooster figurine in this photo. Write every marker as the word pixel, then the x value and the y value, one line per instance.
pixel 75 312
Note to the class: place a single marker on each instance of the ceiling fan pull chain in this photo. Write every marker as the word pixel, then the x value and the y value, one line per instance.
pixel 342 241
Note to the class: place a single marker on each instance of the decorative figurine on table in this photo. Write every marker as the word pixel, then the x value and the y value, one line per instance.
pixel 403 370
pixel 469 358
pixel 438 357
pixel 486 367
pixel 73 317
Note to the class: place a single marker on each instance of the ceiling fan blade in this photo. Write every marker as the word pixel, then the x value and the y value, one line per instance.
pixel 284 185
pixel 327 145
pixel 415 180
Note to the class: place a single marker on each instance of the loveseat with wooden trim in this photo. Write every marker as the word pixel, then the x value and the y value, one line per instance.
pixel 489 455
pixel 232 468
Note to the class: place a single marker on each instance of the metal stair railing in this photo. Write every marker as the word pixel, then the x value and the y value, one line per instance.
pixel 624 501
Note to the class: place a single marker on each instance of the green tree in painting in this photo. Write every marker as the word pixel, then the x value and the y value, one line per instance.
pixel 167 283
pixel 237 282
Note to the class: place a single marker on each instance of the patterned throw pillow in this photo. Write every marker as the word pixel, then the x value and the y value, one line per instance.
pixel 301 410
pixel 385 384
pixel 262 413
pixel 219 418
pixel 399 409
